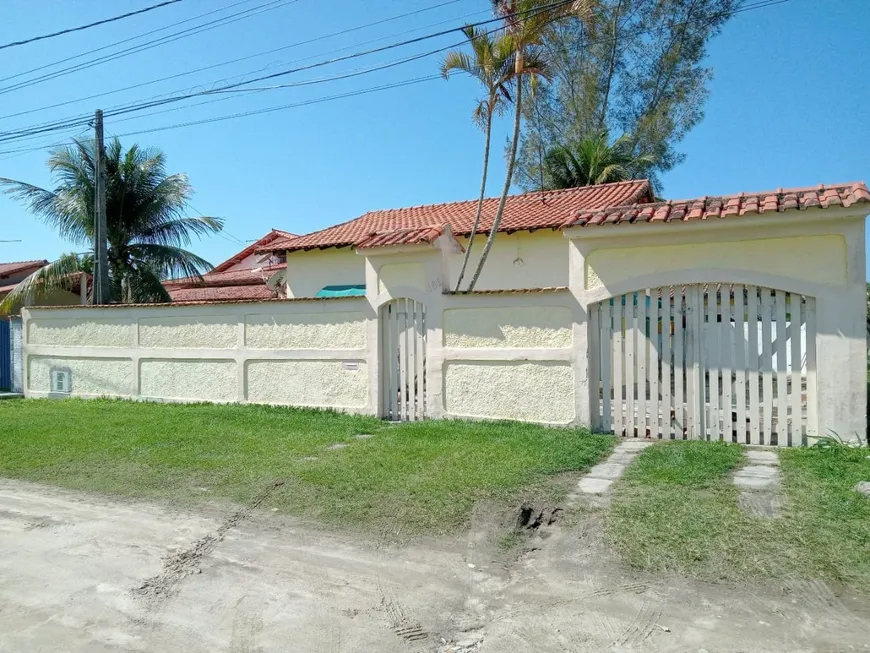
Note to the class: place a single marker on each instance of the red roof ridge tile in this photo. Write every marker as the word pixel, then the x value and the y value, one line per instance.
pixel 33 262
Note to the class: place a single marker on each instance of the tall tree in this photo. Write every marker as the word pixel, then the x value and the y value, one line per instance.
pixel 594 160
pixel 491 64
pixel 526 22
pixel 145 215
pixel 634 67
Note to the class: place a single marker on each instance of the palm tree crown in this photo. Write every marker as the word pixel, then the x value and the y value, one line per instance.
pixel 594 160
pixel 146 226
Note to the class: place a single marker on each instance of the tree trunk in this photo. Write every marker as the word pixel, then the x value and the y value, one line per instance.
pixel 512 159
pixel 480 200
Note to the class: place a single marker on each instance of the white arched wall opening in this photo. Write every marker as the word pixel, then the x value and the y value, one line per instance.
pixel 730 356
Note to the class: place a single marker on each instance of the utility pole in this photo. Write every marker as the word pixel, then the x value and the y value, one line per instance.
pixel 101 257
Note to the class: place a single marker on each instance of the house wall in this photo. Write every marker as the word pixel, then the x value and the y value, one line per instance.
pixel 308 272
pixel 520 260
pixel 302 353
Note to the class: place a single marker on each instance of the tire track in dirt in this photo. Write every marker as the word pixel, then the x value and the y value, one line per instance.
pixel 642 626
pixel 157 590
pixel 247 625
pixel 823 606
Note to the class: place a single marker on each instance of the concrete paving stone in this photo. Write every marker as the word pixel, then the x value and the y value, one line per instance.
pixel 757 471
pixel 633 445
pixel 864 488
pixel 762 457
pixel 589 485
pixel 608 469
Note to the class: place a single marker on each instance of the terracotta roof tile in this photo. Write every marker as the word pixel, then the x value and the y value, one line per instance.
pixel 709 208
pixel 529 211
pixel 224 293
pixel 8 269
pixel 410 236
pixel 249 277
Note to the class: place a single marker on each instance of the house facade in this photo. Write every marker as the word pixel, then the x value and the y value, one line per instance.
pixel 244 276
pixel 738 318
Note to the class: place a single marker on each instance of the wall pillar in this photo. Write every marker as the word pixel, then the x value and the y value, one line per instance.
pixel 577 252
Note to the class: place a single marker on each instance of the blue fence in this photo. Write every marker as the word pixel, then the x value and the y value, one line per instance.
pixel 5 355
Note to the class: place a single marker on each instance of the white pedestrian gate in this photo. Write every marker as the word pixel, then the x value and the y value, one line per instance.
pixel 711 362
pixel 403 360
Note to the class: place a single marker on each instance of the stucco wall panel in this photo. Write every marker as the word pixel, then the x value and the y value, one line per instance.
pixel 321 383
pixel 536 392
pixel 306 331
pixel 94 332
pixel 212 332
pixel 546 327
pixel 90 376
pixel 393 275
pixel 203 380
pixel 779 256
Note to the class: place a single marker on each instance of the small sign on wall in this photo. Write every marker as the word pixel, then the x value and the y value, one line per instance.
pixel 350 365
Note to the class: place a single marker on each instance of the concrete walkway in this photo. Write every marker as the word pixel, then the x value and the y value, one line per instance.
pixel 597 481
pixel 759 483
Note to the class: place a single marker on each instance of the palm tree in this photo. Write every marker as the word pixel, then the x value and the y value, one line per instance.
pixel 525 22
pixel 146 225
pixel 491 64
pixel 594 160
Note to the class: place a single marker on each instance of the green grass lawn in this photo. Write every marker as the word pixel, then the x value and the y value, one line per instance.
pixel 677 510
pixel 408 478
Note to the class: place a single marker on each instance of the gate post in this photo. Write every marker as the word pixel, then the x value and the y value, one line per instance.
pixel 584 414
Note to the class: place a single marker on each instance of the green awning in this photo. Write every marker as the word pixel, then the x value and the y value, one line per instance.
pixel 354 290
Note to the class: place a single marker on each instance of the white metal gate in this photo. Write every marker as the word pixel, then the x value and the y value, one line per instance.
pixel 712 362
pixel 403 360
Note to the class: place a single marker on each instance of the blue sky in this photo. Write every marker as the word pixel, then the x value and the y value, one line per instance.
pixel 788 107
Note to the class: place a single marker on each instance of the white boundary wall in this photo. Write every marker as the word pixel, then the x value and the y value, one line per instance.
pixel 516 354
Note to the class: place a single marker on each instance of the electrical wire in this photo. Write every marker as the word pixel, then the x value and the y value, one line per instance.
pixel 267 52
pixel 121 42
pixel 72 122
pixel 198 29
pixel 80 28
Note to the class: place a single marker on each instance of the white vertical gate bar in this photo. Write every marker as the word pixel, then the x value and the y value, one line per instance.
pixel 618 348
pixel 812 398
pixel 797 438
pixel 403 358
pixel 655 355
pixel 679 361
pixel 667 423
pixel 605 338
pixel 595 353
pixel 421 361
pixel 384 329
pixel 766 367
pixel 752 353
pixel 727 348
pixel 630 343
pixel 415 363
pixel 698 367
pixel 781 367
pixel 740 362
pixel 712 357
pixel 641 357
pixel 692 345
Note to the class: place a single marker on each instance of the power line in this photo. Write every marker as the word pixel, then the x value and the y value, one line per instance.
pixel 88 26
pixel 73 122
pixel 127 40
pixel 219 22
pixel 267 52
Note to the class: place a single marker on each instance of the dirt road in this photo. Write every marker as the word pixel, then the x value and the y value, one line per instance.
pixel 80 573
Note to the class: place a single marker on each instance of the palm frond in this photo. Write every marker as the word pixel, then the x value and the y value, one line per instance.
pixel 167 261
pixel 141 285
pixel 57 275
pixel 179 231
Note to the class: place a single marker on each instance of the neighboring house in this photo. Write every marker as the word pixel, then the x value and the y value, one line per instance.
pixel 11 274
pixel 529 251
pixel 242 277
